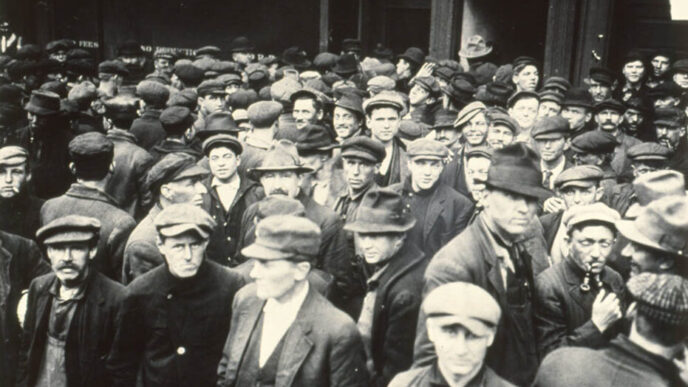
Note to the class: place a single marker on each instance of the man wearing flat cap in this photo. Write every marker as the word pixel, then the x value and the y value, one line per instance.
pixel 262 116
pixel 229 193
pixel 92 154
pixel 440 212
pixel 580 301
pixel 600 82
pixel 501 131
pixel 461 320
pixel 550 135
pixel 82 95
pixel 636 120
pixel 111 74
pixel 596 148
pixel 670 129
pixel 488 253
pixel 643 358
pixel 177 122
pixel 283 332
pixel 71 312
pixel 608 116
pixel 175 318
pixel 347 117
pixel 307 107
pixel 148 128
pixel 175 179
pixel 394 267
pixel 660 63
pixel 423 99
pixel 550 103
pixel 19 209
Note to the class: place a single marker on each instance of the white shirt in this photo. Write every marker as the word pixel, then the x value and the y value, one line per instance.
pixel 277 318
pixel 226 192
pixel 555 171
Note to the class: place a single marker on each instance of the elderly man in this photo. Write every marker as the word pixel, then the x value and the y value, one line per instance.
pixel 670 128
pixel 440 212
pixel 71 313
pixel 550 135
pixel 383 116
pixel 644 357
pixel 175 318
pixel 174 179
pixel 461 319
pixel 487 254
pixel 316 145
pixel 395 279
pixel 283 332
pixel 19 209
pixel 92 154
pixel 580 301
pixel 347 117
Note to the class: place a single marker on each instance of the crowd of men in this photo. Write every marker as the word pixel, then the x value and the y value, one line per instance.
pixel 354 220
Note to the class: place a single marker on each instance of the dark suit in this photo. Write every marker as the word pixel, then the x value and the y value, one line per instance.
pixel 89 338
pixel 147 129
pixel 21 215
pixel 454 175
pixel 679 160
pixel 550 226
pixel 563 311
pixel 321 348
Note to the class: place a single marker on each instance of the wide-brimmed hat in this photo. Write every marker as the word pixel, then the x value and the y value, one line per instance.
pixel 475 47
pixel 515 169
pixel 382 210
pixel 241 44
pixel 282 156
pixel 315 138
pixel 43 103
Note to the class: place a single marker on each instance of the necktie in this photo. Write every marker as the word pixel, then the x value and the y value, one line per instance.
pixel 547 177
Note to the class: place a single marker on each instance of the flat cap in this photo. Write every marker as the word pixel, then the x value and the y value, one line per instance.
pixel 283 89
pixel 680 66
pixel 11 155
pixel 176 119
pixel 602 75
pixel 242 99
pixel 583 176
pixel 257 71
pixel 229 79
pixel 153 93
pixel 284 237
pixel 325 60
pixel 463 303
pixel 381 82
pixel 113 67
pixel 364 148
pixel 560 84
pixel 480 151
pixel 84 91
pixel 468 112
pixel 209 87
pixel 424 148
pixel 208 50
pixel 594 142
pixel 501 119
pixel 672 117
pixel 306 92
pixel 519 95
pixel 225 140
pixel 187 98
pixel 121 107
pixel 550 128
pixel 551 96
pixel 411 129
pixel 580 97
pixel 164 54
pixel 189 74
pixel 91 145
pixel 661 297
pixel 649 151
pixel 279 205
pixel 68 229
pixel 525 60
pixel 178 219
pixel 664 90
pixel 598 212
pixel 173 167
pixel 609 104
pixel 263 114
pixel 428 83
pixel 384 99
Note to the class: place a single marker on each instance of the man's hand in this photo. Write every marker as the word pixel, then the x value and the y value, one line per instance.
pixel 554 204
pixel 606 310
pixel 425 70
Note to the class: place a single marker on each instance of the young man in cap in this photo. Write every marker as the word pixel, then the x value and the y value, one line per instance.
pixel 71 313
pixel 347 117
pixel 19 209
pixel 230 195
pixel 440 212
pixel 577 109
pixel 461 320
pixel 523 107
pixel 525 74
pixel 262 116
pixel 92 154
pixel 608 115
pixel 175 318
pixel 596 148
pixel 283 332
pixel 580 300
pixel 423 99
pixel 634 74
pixel 600 81
pixel 177 122
pixel 148 129
pixel 488 254
pixel 394 265
pixel 670 128
pixel 661 64
pixel 679 73
pixel 478 161
pixel 315 145
pixel 550 103
pixel 502 130
pixel 82 95
pixel 131 162
pixel 111 74
pixel 550 137
pixel 383 116
pixel 407 64
pixel 635 120
pixel 643 358
pixel 162 62
pixel 211 98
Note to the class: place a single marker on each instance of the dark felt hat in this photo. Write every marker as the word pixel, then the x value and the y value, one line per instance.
pixel 580 97
pixel 43 103
pixel 346 65
pixel 315 138
pixel 444 119
pixel 220 122
pixel 515 169
pixel 602 75
pixel 363 148
pixel 594 142
pixel 130 48
pixel 241 44
pixel 351 102
pixel 350 44
pixel 382 210
pixel 414 55
pixel 282 156
pixel 294 56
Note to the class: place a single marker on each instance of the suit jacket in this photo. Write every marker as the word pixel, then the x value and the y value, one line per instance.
pixel 470 257
pixel 454 175
pixel 398 166
pixel 430 376
pixel 321 348
pixel 89 338
pixel 550 225
pixel 20 262
pixel 563 311
pixel 622 364
pixel 115 224
pixel 147 129
pixel 21 215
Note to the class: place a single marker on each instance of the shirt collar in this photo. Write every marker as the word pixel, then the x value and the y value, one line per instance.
pixel 214 182
pixel 556 170
pixel 55 291
pixel 291 306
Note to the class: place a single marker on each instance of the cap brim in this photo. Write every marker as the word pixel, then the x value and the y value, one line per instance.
pixel 577 183
pixel 193 171
pixel 376 228
pixel 549 136
pixel 39 110
pixel 477 327
pixel 284 168
pixel 69 237
pixel 464 54
pixel 628 229
pixel 528 191
pixel 179 229
pixel 360 155
pixel 263 252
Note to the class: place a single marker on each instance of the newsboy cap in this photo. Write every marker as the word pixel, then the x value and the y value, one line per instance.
pixel 672 117
pixel 185 97
pixel 176 119
pixel 91 147
pixel 578 97
pixel 113 67
pixel 583 176
pixel 465 304
pixel 12 155
pixel 680 66
pixel 428 83
pixel 121 107
pixel 263 114
pixel 173 167
pixel 381 82
pixel 551 96
pixel 594 142
pixel 609 104
pixel 649 151
pixel 384 99
pixel 282 90
pixel 177 219
pixel 501 119
pixel 424 148
pixel 558 84
pixel 69 229
pixel 210 87
pixel 602 75
pixel 661 297
pixel 279 205
pixel 153 93
pixel 285 237
pixel 468 112
pixel 189 74
pixel 550 128
pixel 597 212
pixel 225 140
pixel 363 148
pixel 351 102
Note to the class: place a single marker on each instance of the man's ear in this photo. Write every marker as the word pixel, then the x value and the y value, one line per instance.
pixel 72 168
pixel 320 114
pixel 490 338
pixel 599 192
pixel 158 241
pixel 567 144
pixel 514 79
pixel 303 268
pixel 238 158
pixel 92 252
pixel 165 191
pixel 682 131
pixel 368 121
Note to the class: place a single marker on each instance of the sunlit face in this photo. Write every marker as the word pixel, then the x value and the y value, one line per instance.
pixel 383 123
pixel 526 79
pixel 183 253
pixel 276 278
pixel 223 163
pixel 660 65
pixel 670 136
pixel 548 109
pixel 243 57
pixel 525 111
pixel 580 196
pixel 576 116
pixel 211 103
pixel 633 118
pixel 499 136
pixel 681 79
pixel 510 212
pixel 345 122
pixel 305 112
pixel 550 149
pixel 403 68
pixel 418 95
pixel 590 247
pixel 70 261
pixel 476 175
pixel 60 56
pixel 359 173
pixel 599 91
pixel 459 351
pixel 425 172
pixel 280 183
pixel 633 71
pixel 379 247
pixel 232 88
pixel 643 259
pixel 12 180
pixel 475 130
pixel 189 191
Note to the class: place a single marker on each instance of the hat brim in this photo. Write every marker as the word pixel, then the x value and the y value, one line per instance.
pixel 179 229
pixel 283 168
pixel 409 59
pixel 476 54
pixel 353 154
pixel 362 226
pixel 477 327
pixel 528 191
pixel 670 123
pixel 628 229
pixel 39 111
pixel 264 252
pixel 578 183
pixel 193 171
pixel 69 237
pixel 343 70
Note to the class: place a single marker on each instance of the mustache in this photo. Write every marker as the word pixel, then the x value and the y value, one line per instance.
pixel 279 191
pixel 67 266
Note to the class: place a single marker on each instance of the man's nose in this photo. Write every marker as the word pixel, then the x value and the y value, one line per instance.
pixel 200 188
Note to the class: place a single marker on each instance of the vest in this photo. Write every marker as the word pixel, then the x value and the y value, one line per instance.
pixel 249 373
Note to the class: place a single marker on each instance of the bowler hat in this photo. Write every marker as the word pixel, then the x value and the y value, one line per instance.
pixel 444 119
pixel 346 65
pixel 475 47
pixel 294 56
pixel 465 304
pixel 515 169
pixel 382 210
pixel 414 55
pixel 181 218
pixel 284 237
pixel 220 122
pixel 241 44
pixel 315 138
pixel 281 156
pixel 363 148
pixel 70 228
pixel 661 297
pixel 43 103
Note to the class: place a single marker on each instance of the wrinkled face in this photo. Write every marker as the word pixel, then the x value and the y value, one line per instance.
pixel 70 261
pixel 383 124
pixel 633 71
pixel 189 191
pixel 527 79
pixel 576 116
pixel 403 68
pixel 223 163
pixel 633 118
pixel 681 79
pixel 499 136
pixel 211 103
pixel 591 246
pixel 280 183
pixel 379 247
pixel 581 158
pixel 424 172
pixel 418 95
pixel 345 122
pixel 162 64
pixel 550 149
pixel 476 174
pixel 660 65
pixel 599 91
pixel 304 112
pixel 276 278
pixel 12 180
pixel 475 130
pixel 183 253
pixel 525 111
pixel 459 350
pixel 669 136
pixel 579 196
pixel 359 173
pixel 548 109
pixel 608 119
pixel 511 213
pixel 643 259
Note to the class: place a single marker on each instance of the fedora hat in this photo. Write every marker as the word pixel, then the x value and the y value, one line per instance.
pixel 314 138
pixel 43 103
pixel 475 47
pixel 241 44
pixel 382 210
pixel 282 156
pixel 515 169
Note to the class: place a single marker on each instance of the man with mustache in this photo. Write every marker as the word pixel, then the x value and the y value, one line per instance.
pixel 173 180
pixel 71 312
pixel 670 128
pixel 19 209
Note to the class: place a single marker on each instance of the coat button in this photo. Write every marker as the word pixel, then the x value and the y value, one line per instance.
pixel 229 239
pixel 181 351
pixel 169 296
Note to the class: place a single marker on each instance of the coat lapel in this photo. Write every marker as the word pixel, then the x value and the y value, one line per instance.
pixel 247 323
pixel 433 214
pixel 574 286
pixel 297 343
